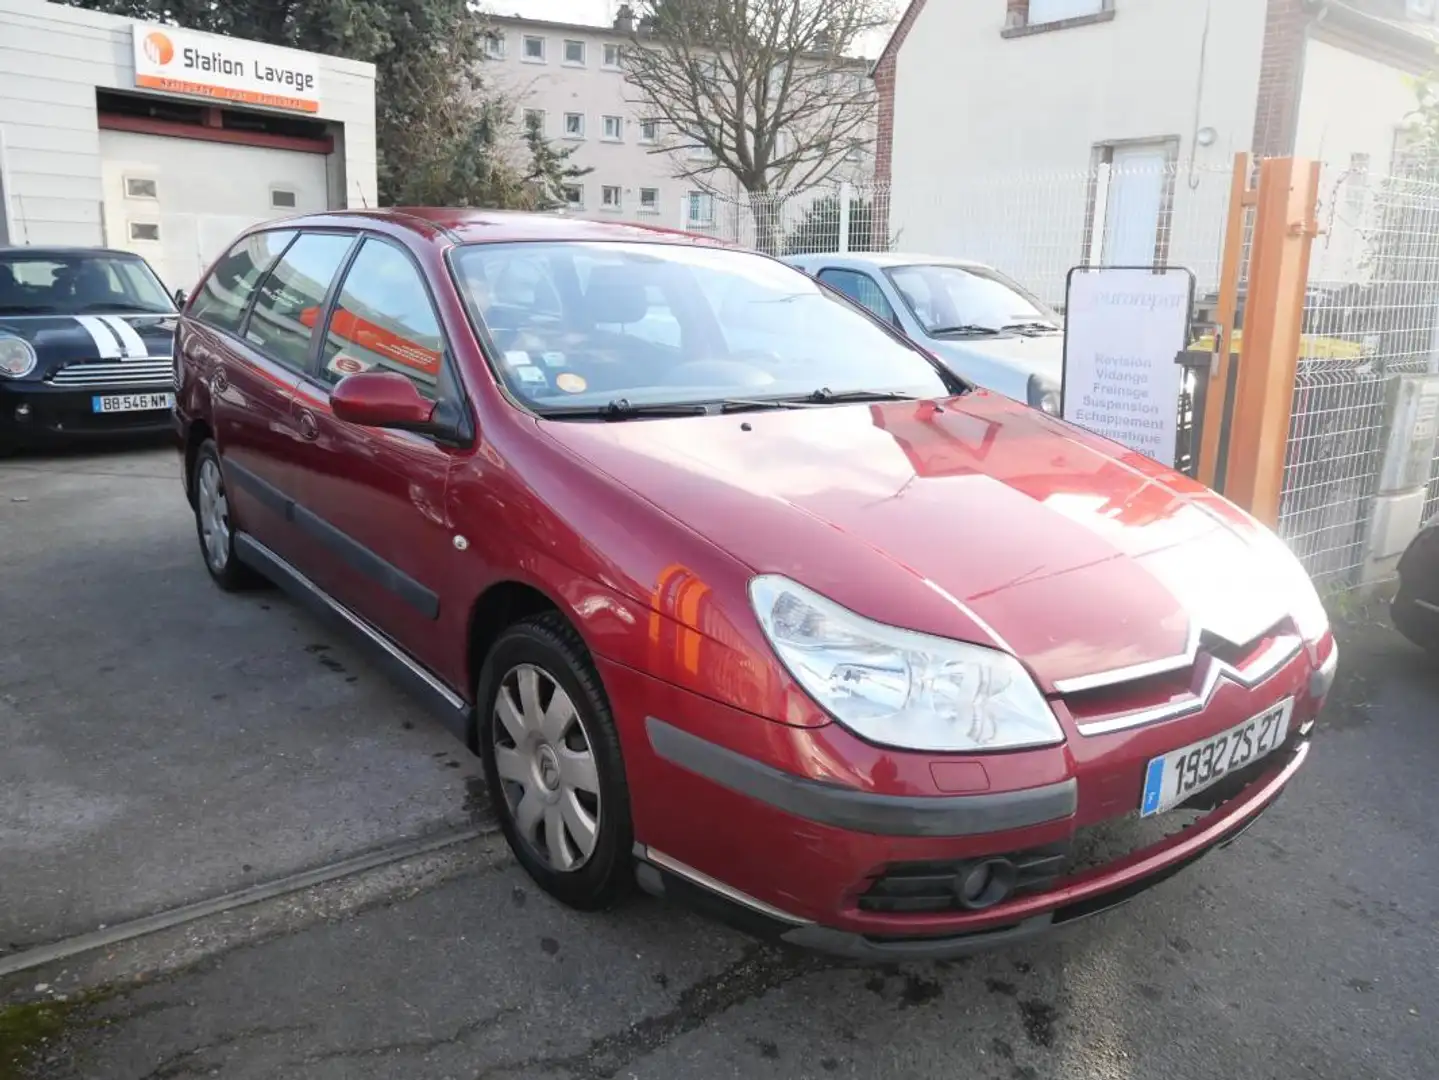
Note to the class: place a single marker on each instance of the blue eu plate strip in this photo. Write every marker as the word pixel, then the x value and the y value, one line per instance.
pixel 1153 787
pixel 95 403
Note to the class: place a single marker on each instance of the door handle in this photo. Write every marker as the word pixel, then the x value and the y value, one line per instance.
pixel 309 426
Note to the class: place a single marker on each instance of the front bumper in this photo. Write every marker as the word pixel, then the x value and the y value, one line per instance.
pixel 796 833
pixel 38 414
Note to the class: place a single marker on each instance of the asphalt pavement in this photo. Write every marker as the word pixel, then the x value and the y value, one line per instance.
pixel 1307 950
pixel 162 742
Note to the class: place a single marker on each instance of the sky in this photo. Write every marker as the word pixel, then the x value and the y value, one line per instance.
pixel 598 13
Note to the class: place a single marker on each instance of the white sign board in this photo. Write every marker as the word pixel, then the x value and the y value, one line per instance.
pixel 228 69
pixel 1123 329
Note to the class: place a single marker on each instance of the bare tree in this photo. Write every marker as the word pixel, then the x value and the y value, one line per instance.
pixel 763 90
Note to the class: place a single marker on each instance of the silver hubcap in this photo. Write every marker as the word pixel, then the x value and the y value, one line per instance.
pixel 547 768
pixel 214 516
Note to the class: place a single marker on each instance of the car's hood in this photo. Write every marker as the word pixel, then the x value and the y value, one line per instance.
pixel 983 520
pixel 1004 363
pixel 70 339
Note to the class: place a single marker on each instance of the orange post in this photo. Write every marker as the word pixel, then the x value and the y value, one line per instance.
pixel 1284 229
pixel 1241 197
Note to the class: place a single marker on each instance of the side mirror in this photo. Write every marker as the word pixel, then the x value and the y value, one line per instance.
pixel 382 399
pixel 179 298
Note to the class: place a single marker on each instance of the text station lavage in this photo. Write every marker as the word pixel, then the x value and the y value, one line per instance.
pixel 1123 329
pixel 207 65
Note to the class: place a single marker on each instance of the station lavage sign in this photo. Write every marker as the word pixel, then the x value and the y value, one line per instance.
pixel 205 65
pixel 1123 330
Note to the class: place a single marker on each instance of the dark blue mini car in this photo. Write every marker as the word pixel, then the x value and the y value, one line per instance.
pixel 86 343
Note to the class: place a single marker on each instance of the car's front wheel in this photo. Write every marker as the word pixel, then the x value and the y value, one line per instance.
pixel 213 524
pixel 552 760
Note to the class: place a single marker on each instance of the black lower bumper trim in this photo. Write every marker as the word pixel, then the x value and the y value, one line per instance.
pixel 862 811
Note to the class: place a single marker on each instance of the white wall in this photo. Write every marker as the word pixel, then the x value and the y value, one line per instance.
pixel 52 59
pixel 1350 105
pixel 993 136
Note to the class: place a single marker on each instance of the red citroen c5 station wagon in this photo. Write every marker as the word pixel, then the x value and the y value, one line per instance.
pixel 736 591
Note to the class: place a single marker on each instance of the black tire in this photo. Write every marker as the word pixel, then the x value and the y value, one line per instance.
pixel 1419 626
pixel 549 643
pixel 224 568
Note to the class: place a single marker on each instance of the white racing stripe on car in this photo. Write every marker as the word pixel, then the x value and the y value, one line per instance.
pixel 131 342
pixel 103 337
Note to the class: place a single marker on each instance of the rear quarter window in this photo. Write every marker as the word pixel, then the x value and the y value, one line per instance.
pixel 222 298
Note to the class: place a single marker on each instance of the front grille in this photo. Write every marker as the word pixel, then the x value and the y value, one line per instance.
pixel 156 372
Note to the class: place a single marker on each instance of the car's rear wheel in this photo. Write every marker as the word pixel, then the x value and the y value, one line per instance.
pixel 552 760
pixel 213 523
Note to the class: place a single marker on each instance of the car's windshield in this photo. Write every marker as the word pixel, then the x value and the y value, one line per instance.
pixel 587 324
pixel 49 283
pixel 949 299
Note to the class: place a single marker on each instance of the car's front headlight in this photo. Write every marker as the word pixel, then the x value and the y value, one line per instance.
pixel 899 687
pixel 17 358
pixel 1044 394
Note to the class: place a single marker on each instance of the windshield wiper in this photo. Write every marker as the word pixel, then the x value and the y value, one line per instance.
pixel 1032 327
pixel 964 328
pixel 25 309
pixel 624 409
pixel 825 396
pixel 732 405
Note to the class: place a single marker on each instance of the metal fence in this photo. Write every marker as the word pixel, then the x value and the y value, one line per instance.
pixel 1371 313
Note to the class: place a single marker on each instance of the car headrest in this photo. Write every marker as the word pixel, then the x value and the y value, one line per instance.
pixel 616 294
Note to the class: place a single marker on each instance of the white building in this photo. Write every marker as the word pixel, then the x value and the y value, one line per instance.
pixel 571 76
pixel 1015 107
pixel 168 142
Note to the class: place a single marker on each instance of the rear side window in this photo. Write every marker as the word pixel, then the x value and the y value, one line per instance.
pixel 861 288
pixel 287 308
pixel 383 320
pixel 222 299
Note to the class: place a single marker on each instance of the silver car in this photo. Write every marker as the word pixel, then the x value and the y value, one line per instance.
pixel 985 326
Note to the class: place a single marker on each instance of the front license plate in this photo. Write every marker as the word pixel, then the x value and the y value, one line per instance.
pixel 1173 777
pixel 102 403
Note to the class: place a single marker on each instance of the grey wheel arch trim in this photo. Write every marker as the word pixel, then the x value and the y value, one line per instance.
pixel 860 811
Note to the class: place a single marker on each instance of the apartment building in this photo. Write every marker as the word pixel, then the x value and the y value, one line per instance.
pixel 570 76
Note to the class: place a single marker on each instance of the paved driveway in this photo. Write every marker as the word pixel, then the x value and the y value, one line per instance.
pixel 163 742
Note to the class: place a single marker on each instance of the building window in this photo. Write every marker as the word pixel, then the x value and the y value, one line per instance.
pixel 495 45
pixel 699 153
pixel 144 230
pixel 649 200
pixel 1026 14
pixel 575 53
pixel 611 197
pixel 614 128
pixel 649 130
pixel 575 196
pixel 141 187
pixel 535 118
pixel 700 208
pixel 613 55
pixel 534 51
pixel 282 199
pixel 574 125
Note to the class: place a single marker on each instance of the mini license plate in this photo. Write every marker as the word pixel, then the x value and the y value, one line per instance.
pixel 103 403
pixel 1173 777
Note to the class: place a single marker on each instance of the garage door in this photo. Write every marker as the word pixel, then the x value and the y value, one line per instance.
pixel 180 202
